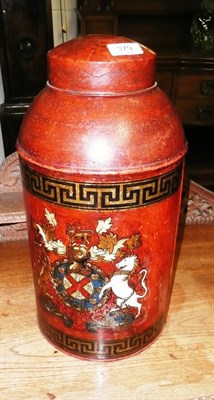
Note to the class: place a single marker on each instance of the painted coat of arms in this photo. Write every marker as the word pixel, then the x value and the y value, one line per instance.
pixel 91 278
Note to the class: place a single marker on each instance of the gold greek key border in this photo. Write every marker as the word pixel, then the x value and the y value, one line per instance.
pixel 105 196
pixel 101 349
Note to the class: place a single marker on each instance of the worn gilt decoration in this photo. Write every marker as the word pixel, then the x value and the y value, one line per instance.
pixel 95 272
pixel 197 203
pixel 92 274
pixel 117 195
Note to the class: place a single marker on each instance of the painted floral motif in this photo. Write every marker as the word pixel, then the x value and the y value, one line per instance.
pixel 93 271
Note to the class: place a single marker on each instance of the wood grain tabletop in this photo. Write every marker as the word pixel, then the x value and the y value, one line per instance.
pixel 178 366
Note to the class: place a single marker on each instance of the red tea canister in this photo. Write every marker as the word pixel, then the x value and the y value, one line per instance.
pixel 101 153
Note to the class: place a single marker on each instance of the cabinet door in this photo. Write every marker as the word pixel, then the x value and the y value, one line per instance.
pixel 25 39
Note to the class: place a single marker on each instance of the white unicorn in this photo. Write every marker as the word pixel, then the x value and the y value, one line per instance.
pixel 126 296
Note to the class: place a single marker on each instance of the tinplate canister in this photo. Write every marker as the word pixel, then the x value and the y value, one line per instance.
pixel 101 152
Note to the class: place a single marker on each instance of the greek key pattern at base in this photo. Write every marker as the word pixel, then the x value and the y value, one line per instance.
pixel 102 349
pixel 106 196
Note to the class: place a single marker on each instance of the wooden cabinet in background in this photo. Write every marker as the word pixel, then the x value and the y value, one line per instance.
pixel 102 23
pixel 25 38
pixel 185 75
pixel 194 97
pixel 189 82
pixel 165 27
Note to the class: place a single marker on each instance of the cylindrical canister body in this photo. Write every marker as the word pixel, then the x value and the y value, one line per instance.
pixel 101 153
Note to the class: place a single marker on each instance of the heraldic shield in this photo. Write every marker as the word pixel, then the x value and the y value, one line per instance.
pixel 78 284
pixel 97 280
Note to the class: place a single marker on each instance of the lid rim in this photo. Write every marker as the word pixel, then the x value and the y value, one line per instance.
pixel 100 93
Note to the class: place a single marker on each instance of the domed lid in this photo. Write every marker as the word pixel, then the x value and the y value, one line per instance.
pixel 101 64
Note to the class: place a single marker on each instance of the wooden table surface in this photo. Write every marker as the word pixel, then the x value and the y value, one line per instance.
pixel 178 366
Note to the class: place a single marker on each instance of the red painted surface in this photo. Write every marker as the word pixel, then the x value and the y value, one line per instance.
pixel 102 158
